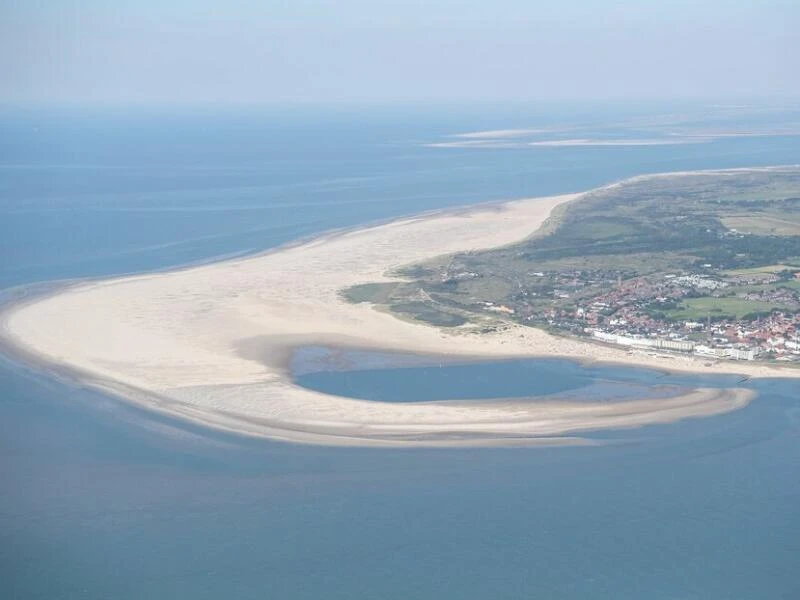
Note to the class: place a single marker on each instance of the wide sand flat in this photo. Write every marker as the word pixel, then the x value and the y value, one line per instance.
pixel 209 343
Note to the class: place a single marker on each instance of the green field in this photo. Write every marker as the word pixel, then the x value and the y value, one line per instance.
pixel 428 313
pixel 659 225
pixel 698 309
pixel 377 293
pixel 766 269
pixel 764 224
pixel 792 284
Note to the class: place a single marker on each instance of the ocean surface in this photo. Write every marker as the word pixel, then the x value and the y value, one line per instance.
pixel 99 499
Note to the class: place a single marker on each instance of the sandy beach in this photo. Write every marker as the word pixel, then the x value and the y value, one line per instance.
pixel 209 343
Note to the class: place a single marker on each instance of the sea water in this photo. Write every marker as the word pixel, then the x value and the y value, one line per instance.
pixel 99 499
pixel 400 377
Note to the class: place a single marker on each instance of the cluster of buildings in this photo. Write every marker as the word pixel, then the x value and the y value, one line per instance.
pixel 774 337
pixel 635 313
pixel 643 312
pixel 638 341
pixel 730 351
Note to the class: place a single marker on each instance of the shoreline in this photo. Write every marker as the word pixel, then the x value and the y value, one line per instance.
pixel 210 342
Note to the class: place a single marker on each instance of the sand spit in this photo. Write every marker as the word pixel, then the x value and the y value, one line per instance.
pixel 178 341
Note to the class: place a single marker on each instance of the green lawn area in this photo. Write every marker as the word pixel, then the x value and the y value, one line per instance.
pixel 768 269
pixel 764 224
pixel 427 313
pixel 697 309
pixel 793 284
pixel 600 229
pixel 377 293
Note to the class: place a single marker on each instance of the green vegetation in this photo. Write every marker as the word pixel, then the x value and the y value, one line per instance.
pixel 427 313
pixel 764 224
pixel 680 217
pixel 377 293
pixel 793 284
pixel 634 251
pixel 769 269
pixel 699 309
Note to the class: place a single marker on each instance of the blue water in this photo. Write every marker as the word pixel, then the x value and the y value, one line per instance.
pixel 102 500
pixel 394 377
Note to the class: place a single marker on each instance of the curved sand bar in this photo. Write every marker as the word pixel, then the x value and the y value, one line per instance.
pixel 209 343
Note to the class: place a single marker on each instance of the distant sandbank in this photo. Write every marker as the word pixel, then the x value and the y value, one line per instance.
pixel 209 343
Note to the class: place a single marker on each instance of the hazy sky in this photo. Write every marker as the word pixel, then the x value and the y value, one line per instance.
pixel 197 51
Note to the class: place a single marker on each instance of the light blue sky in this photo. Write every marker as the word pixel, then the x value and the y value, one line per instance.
pixel 275 51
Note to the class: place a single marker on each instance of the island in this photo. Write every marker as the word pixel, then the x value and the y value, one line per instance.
pixel 671 262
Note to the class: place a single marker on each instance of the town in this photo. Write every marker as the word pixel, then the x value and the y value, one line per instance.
pixel 739 316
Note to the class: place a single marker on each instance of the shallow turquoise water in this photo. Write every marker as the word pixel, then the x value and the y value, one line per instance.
pixel 102 500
